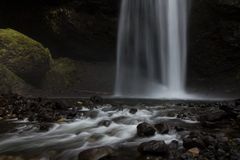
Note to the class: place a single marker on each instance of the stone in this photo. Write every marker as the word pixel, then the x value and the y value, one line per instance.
pixel 3 157
pixel 209 140
pixel 133 111
pixel 194 152
pixel 44 127
pixel 11 83
pixel 179 129
pixel 105 123
pixel 174 145
pixel 189 143
pixel 23 56
pixel 92 114
pixel 158 148
pixel 96 99
pixel 162 128
pixel 95 153
pixel 213 116
pixel 145 130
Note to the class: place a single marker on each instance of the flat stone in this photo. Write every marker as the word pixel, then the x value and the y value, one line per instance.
pixel 194 152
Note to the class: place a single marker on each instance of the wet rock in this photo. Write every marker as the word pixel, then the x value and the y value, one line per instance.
pixel 71 114
pixel 208 124
pixel 3 157
pixel 133 111
pixel 95 153
pixel 188 156
pixel 105 123
pixel 194 152
pixel 44 127
pixel 232 111
pixel 158 148
pixel 238 117
pixel 170 114
pixel 145 130
pixel 92 114
pixel 189 143
pixel 187 116
pixel 120 119
pixel 213 116
pixel 115 158
pixel 179 129
pixel 162 128
pixel 96 99
pixel 209 140
pixel 173 145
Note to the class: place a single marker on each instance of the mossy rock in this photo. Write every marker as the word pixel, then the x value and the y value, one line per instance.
pixel 62 75
pixel 24 56
pixel 11 83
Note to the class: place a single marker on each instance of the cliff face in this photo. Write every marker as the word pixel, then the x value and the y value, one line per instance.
pixel 214 44
pixel 86 30
pixel 80 29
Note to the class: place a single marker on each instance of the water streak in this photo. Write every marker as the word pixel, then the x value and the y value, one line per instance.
pixel 152 48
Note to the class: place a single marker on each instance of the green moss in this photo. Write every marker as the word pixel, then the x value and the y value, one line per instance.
pixel 9 82
pixel 62 73
pixel 22 55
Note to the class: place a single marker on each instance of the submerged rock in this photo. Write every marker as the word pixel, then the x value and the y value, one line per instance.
pixel 105 123
pixel 145 130
pixel 133 111
pixel 158 148
pixel 95 153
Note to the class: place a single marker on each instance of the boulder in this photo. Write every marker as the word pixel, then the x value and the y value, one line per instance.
pixel 174 145
pixel 162 128
pixel 213 116
pixel 11 83
pixel 24 56
pixel 194 152
pixel 158 148
pixel 95 153
pixel 96 99
pixel 133 111
pixel 61 76
pixel 145 130
pixel 190 142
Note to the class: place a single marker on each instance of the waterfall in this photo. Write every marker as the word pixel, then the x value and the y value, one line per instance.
pixel 152 48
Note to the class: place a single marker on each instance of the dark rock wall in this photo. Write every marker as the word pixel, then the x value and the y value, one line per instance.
pixel 79 29
pixel 214 45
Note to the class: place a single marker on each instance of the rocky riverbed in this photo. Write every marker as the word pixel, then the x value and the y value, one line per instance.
pixel 95 129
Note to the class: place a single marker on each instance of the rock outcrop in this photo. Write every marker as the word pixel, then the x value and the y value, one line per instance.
pixel 24 56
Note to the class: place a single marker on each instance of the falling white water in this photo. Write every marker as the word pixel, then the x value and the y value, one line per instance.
pixel 152 49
